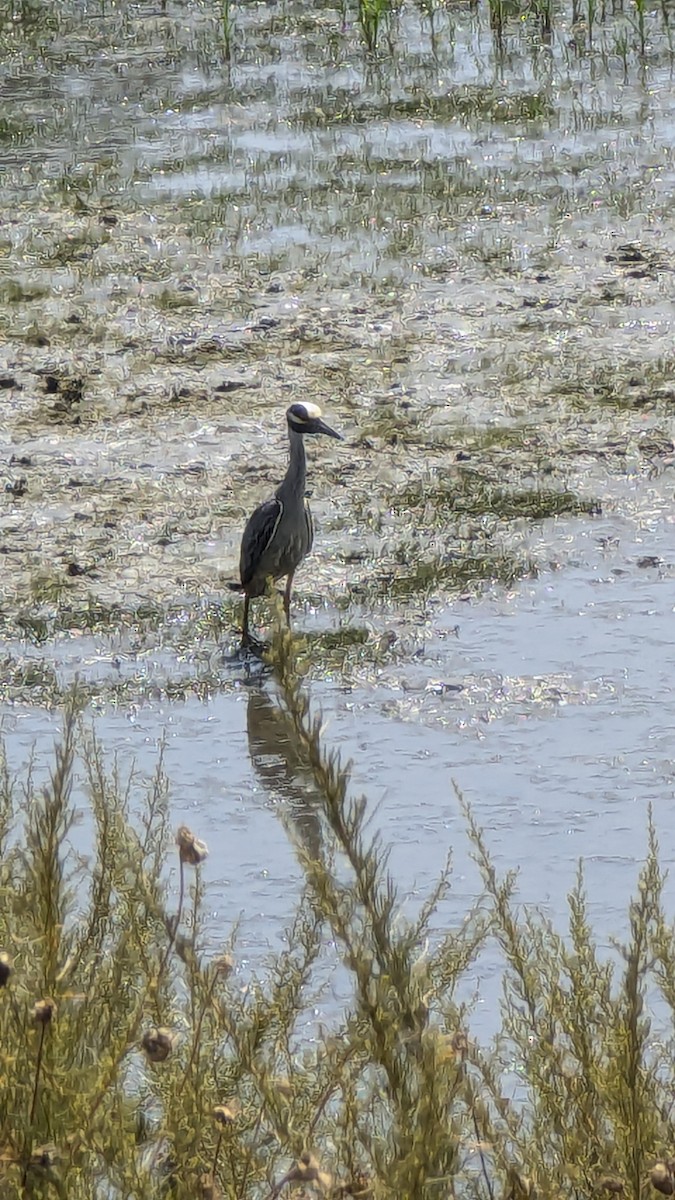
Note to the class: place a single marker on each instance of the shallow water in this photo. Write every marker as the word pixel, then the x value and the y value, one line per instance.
pixel 559 738
pixel 431 245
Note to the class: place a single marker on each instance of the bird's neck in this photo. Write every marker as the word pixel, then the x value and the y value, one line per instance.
pixel 293 485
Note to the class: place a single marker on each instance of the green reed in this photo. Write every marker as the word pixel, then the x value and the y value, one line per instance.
pixel 371 16
pixel 639 22
pixel 226 26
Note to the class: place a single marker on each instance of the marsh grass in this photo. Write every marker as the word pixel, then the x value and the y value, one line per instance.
pixel 371 16
pixel 226 27
pixel 532 19
pixel 184 625
pixel 354 22
pixel 639 21
pixel 633 385
pixel 470 493
pixel 415 572
pixel 461 532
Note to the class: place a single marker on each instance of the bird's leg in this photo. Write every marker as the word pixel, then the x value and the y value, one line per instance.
pixel 287 598
pixel 245 635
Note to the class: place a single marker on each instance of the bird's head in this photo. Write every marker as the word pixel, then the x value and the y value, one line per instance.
pixel 306 418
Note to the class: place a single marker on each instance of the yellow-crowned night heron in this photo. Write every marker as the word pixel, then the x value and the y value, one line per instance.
pixel 279 534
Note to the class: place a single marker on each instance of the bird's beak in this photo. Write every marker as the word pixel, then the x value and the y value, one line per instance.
pixel 321 427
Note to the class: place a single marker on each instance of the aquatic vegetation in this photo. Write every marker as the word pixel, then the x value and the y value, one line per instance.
pixel 450 535
pixel 640 13
pixel 468 567
pixel 470 492
pixel 226 26
pixel 371 15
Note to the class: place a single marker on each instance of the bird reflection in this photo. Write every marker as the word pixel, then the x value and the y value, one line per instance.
pixel 282 768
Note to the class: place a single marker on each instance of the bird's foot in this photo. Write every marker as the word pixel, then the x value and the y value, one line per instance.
pixel 249 648
pixel 252 646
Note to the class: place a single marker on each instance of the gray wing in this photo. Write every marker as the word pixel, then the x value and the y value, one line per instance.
pixel 260 529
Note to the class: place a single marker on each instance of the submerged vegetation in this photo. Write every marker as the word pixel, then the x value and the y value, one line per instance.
pixel 137 1058
pixel 468 493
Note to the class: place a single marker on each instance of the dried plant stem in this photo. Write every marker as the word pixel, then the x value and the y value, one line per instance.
pixel 217 1152
pixel 249 1156
pixel 109 1077
pixel 481 1155
pixel 33 1106
pixel 329 1091
pixel 176 921
pixel 323 1101
pixel 38 1066
pixel 198 1028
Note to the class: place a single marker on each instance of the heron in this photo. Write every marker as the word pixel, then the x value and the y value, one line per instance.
pixel 280 533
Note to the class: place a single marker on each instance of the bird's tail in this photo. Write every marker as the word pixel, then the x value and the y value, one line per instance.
pixel 234 585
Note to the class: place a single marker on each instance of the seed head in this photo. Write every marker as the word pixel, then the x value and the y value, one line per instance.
pixel 308 1170
pixel 5 968
pixel 223 965
pixel 43 1011
pixel 45 1157
pixel 662 1178
pixel 460 1043
pixel 359 1187
pixel 190 848
pixel 283 1086
pixel 226 1114
pixel 609 1183
pixel 446 1047
pixel 208 1187
pixel 158 1042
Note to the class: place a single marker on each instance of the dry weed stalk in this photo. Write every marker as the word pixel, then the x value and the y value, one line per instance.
pixel 222 1094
